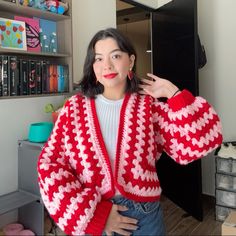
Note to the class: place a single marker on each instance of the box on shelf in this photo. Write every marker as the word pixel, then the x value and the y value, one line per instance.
pixel 229 225
pixel 226 165
pixel 225 181
pixel 222 212
pixel 226 198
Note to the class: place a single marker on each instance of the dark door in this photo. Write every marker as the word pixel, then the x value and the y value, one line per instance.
pixel 174 37
pixel 174 56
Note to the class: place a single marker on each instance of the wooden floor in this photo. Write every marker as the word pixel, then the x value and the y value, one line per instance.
pixel 178 222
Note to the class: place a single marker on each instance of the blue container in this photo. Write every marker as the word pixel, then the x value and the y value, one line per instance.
pixel 40 132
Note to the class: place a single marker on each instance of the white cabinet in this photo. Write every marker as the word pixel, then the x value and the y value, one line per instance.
pixel 225 180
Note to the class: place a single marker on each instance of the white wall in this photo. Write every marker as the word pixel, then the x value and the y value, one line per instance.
pixel 16 116
pixel 89 17
pixel 217 29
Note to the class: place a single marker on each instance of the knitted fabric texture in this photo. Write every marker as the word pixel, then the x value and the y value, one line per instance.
pixel 75 177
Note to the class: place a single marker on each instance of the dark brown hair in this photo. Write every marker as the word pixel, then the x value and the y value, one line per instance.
pixel 89 86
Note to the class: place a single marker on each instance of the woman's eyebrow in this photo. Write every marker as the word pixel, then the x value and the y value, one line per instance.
pixel 115 50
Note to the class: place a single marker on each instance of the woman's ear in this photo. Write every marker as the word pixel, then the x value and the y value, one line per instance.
pixel 132 60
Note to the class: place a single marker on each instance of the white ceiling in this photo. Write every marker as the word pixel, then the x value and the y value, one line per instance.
pixel 150 3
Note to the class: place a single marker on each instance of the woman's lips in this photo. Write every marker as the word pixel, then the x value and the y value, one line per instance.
pixel 110 76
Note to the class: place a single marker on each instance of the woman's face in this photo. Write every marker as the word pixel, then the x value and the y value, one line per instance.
pixel 111 66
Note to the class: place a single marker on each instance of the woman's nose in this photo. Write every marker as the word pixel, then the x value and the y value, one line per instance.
pixel 107 63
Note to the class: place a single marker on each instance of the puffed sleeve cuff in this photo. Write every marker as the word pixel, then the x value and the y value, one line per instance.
pixel 181 100
pixel 98 222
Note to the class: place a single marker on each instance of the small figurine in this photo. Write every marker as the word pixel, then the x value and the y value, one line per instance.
pixel 40 4
pixel 62 8
pixel 31 3
pixel 24 2
pixel 52 5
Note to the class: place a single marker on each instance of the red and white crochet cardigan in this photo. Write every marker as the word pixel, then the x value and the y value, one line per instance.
pixel 75 176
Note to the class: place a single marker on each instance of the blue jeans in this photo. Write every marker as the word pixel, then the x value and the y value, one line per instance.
pixel 149 216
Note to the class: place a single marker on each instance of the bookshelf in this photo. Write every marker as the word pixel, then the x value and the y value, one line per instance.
pixel 64 54
pixel 14 200
pixel 26 200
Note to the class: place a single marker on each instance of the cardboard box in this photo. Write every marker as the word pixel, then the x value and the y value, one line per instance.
pixel 229 225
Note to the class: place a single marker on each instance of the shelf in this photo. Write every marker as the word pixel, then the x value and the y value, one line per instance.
pixel 15 200
pixel 36 95
pixel 226 173
pixel 227 206
pixel 28 53
pixel 28 143
pixel 23 10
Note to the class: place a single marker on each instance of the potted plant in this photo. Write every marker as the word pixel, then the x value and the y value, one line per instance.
pixel 50 108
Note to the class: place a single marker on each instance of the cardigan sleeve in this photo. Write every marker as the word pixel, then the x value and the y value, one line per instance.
pixel 187 127
pixel 75 209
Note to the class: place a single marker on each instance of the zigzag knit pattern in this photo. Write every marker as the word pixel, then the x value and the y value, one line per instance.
pixel 75 175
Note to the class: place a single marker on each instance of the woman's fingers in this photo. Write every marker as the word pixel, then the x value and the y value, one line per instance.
pixel 123 232
pixel 128 226
pixel 146 81
pixel 143 92
pixel 122 208
pixel 128 220
pixel 142 86
pixel 154 77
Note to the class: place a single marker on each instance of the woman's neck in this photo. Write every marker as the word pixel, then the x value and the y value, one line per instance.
pixel 113 95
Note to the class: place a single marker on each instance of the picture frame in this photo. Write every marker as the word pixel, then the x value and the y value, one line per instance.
pixel 32 33
pixel 12 34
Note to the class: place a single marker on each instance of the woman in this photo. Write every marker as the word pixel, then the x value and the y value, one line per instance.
pixel 97 171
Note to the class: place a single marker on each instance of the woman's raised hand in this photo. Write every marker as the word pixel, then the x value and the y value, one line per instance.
pixel 157 87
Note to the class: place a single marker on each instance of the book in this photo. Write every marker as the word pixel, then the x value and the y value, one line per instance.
pixel 5 75
pixel 48 35
pixel 12 34
pixel 32 33
pixel 38 77
pixel 45 76
pixel 32 77
pixel 24 77
pixel 53 83
pixel 66 78
pixel 60 78
pixel 13 76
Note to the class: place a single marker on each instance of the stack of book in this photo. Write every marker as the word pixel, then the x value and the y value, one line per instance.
pixel 20 76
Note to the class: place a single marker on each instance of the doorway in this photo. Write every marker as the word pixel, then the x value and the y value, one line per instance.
pixel 135 23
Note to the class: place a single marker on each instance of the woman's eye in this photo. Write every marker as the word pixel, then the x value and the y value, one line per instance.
pixel 116 56
pixel 97 59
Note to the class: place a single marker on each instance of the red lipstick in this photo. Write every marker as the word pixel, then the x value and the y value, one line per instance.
pixel 110 76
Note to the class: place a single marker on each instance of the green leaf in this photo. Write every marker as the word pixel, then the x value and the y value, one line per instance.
pixel 49 108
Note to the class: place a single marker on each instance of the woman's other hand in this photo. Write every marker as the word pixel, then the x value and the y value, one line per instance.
pixel 120 224
pixel 157 87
